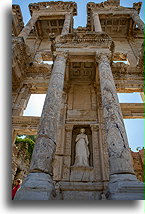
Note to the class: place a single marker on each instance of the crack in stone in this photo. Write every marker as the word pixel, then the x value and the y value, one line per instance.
pixel 120 134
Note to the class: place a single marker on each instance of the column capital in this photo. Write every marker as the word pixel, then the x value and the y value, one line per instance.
pixel 94 13
pixel 103 55
pixel 61 54
pixel 68 14
pixel 69 127
pixel 94 127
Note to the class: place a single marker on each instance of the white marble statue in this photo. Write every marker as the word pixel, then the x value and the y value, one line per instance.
pixel 82 150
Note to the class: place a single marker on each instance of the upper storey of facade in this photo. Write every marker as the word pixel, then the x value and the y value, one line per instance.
pixel 51 17
pixel 17 20
pixel 109 16
pixel 115 20
pixel 51 28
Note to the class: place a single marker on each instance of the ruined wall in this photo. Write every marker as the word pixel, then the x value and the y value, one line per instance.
pixel 138 164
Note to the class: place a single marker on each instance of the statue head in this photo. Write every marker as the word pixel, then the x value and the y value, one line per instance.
pixel 82 130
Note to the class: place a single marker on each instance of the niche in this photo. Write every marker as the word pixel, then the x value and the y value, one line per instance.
pixel 75 132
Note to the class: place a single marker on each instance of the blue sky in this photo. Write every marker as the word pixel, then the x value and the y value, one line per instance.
pixel 80 19
pixel 134 127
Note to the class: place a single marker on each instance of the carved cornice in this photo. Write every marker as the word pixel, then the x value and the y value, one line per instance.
pixel 20 60
pixel 120 66
pixel 137 6
pixel 37 68
pixel 106 5
pixel 54 6
pixel 17 12
pixel 85 38
pixel 20 51
pixel 110 7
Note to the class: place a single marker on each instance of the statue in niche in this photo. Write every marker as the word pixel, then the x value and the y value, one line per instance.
pixel 82 150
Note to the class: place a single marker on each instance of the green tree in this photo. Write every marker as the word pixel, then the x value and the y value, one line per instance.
pixel 28 140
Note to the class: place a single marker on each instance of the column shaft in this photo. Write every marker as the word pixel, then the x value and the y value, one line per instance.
pixel 21 101
pixel 97 23
pixel 66 25
pixel 46 141
pixel 28 27
pixel 116 138
pixel 136 18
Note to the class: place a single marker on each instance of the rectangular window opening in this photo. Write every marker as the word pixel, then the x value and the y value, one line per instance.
pixel 134 97
pixel 35 105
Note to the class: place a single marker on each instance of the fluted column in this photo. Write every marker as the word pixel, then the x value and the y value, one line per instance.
pixel 39 184
pixel 97 24
pixel 66 25
pixel 28 27
pixel 136 18
pixel 116 138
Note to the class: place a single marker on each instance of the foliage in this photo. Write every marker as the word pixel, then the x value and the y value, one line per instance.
pixel 26 143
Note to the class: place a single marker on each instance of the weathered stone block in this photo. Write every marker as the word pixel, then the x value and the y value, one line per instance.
pixel 37 186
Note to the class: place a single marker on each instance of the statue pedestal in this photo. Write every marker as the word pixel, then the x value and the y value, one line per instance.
pixel 81 173
pixel 79 190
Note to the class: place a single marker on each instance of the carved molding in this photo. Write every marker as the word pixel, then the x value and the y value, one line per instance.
pixel 54 6
pixel 103 55
pixel 82 39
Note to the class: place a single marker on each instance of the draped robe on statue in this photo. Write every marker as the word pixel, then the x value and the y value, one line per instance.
pixel 82 151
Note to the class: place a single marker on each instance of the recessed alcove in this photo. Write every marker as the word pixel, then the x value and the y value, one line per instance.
pixel 88 132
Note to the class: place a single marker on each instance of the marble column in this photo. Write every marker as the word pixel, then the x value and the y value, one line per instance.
pixel 136 18
pixel 28 27
pixel 40 176
pixel 97 24
pixel 66 25
pixel 121 168
pixel 21 101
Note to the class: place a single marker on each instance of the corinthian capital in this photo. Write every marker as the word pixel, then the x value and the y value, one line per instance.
pixel 61 55
pixel 103 55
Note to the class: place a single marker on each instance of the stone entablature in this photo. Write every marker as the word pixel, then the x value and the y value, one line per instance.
pixel 83 38
pixel 114 18
pixel 54 6
pixel 20 61
pixel 17 20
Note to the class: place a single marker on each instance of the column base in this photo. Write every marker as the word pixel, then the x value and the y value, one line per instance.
pixel 125 187
pixel 36 186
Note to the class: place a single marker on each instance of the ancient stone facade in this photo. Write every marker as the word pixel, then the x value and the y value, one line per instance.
pixel 81 92
pixel 138 163
pixel 20 162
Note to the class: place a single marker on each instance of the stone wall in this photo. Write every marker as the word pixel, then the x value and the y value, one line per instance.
pixel 138 163
pixel 20 161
